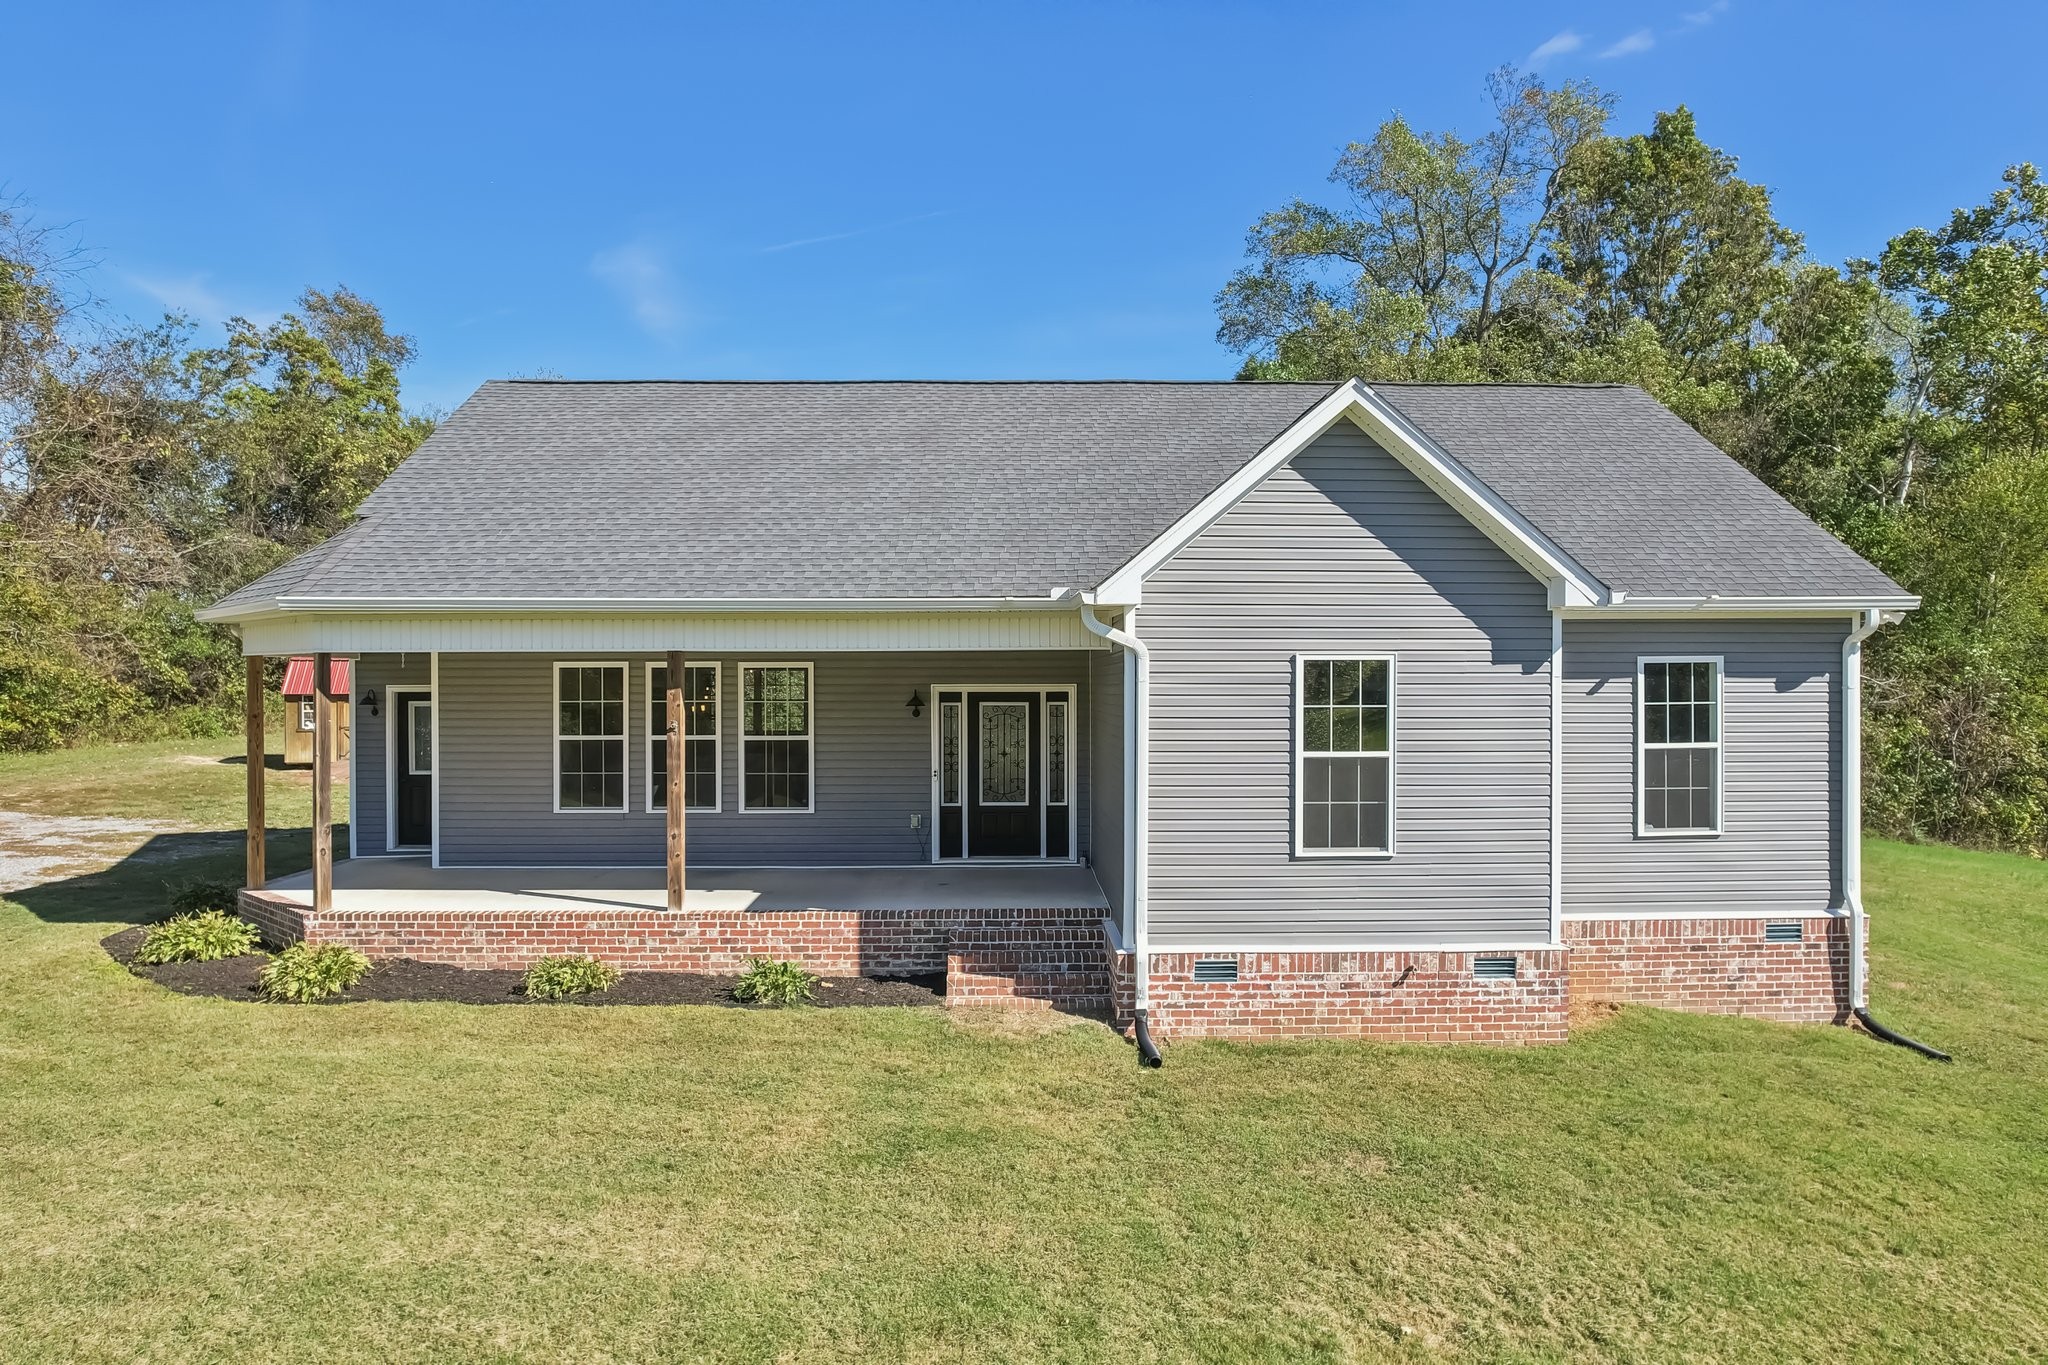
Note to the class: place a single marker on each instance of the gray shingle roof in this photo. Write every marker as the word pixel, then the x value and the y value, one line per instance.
pixel 695 490
pixel 1642 501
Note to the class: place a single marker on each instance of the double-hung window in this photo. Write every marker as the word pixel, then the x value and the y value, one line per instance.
pixel 1678 730
pixel 700 737
pixel 776 714
pixel 590 736
pixel 1344 756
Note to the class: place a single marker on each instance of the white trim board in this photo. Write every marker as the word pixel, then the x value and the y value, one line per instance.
pixel 598 634
pixel 1354 401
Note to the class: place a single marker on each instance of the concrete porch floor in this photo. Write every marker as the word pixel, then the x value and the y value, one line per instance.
pixel 384 884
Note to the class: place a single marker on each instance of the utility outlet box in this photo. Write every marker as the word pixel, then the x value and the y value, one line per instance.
pixel 917 822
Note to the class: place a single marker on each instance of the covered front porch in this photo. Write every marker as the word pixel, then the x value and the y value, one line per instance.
pixel 376 885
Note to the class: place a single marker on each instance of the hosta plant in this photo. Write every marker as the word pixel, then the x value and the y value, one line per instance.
pixel 207 936
pixel 551 978
pixel 766 982
pixel 306 972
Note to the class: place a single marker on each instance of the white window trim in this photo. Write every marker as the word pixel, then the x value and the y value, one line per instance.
pixel 307 722
pixel 658 779
pixel 1295 711
pixel 625 738
pixel 809 736
pixel 1643 831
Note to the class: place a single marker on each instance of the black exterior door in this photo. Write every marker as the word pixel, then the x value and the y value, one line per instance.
pixel 415 771
pixel 1005 797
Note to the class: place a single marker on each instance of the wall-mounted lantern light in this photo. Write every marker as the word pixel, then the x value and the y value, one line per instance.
pixel 369 702
pixel 916 703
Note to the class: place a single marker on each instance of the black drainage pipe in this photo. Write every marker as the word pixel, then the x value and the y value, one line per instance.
pixel 1148 1051
pixel 1878 1030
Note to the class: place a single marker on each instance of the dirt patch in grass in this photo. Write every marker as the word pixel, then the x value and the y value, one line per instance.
pixel 403 979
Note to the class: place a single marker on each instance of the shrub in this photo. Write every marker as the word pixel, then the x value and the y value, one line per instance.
pixel 194 897
pixel 551 978
pixel 205 936
pixel 773 983
pixel 306 972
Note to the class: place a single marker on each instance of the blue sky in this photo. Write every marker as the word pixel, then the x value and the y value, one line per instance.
pixel 946 191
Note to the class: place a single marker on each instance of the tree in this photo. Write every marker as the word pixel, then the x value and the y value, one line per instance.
pixel 1428 254
pixel 140 477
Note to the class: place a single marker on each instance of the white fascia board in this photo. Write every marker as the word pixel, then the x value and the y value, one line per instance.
pixel 694 606
pixel 1356 402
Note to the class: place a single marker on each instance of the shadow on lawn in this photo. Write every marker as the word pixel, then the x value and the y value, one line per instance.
pixel 137 888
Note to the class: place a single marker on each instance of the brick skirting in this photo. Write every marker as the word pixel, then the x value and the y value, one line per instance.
pixel 1714 966
pixel 1068 960
pixel 1051 956
pixel 1425 997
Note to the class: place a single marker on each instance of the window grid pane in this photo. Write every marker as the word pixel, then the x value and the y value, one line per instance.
pixel 775 704
pixel 1346 764
pixel 700 730
pixel 1681 758
pixel 590 737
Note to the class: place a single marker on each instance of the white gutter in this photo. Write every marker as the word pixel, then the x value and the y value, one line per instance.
pixel 1624 604
pixel 1137 784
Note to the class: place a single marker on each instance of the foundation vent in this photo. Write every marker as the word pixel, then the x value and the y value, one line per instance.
pixel 1784 931
pixel 1215 969
pixel 1494 968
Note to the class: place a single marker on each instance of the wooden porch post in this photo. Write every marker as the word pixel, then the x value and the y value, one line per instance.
pixel 323 785
pixel 676 731
pixel 252 720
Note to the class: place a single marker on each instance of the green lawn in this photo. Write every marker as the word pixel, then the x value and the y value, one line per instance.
pixel 184 1178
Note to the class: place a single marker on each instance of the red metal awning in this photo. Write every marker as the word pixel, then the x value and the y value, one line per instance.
pixel 298 677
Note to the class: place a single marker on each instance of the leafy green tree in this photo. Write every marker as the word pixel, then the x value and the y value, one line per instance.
pixel 140 478
pixel 1429 252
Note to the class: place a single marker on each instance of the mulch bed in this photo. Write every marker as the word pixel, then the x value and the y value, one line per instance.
pixel 235 978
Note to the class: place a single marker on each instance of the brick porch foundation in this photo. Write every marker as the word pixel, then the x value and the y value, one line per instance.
pixel 1051 957
pixel 1714 966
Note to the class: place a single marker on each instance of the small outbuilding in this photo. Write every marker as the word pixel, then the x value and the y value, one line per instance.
pixel 298 708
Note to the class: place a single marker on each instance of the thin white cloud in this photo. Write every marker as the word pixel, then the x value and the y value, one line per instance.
pixel 1642 40
pixel 1700 18
pixel 187 294
pixel 639 274
pixel 855 232
pixel 1556 45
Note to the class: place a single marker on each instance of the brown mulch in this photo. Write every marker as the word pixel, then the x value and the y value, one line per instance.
pixel 235 978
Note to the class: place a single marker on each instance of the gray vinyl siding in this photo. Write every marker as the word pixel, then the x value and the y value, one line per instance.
pixel 370 741
pixel 1106 767
pixel 871 762
pixel 1781 727
pixel 1344 552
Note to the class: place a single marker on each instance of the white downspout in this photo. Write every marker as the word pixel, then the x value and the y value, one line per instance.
pixel 1852 802
pixel 1138 767
pixel 1852 832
